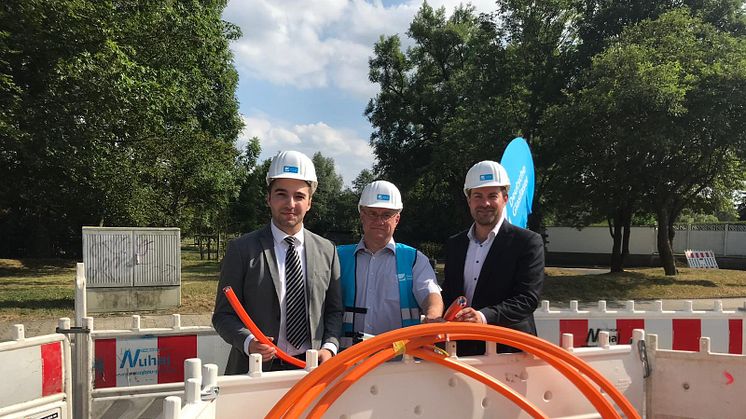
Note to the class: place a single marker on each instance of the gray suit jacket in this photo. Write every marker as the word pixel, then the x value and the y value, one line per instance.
pixel 250 267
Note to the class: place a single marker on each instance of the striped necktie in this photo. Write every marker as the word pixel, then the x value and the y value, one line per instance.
pixel 295 298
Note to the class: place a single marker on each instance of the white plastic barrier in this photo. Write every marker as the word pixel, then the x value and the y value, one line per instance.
pixel 678 330
pixel 410 388
pixel 35 380
pixel 695 384
pixel 131 371
pixel 138 356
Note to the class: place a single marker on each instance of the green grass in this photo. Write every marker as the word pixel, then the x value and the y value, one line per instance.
pixel 564 285
pixel 36 288
pixel 43 289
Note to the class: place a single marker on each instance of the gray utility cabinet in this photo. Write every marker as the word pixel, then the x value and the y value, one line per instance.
pixel 132 268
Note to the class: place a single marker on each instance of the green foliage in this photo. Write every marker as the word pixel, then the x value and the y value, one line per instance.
pixel 333 210
pixel 432 250
pixel 657 125
pixel 248 211
pixel 459 95
pixel 630 107
pixel 114 113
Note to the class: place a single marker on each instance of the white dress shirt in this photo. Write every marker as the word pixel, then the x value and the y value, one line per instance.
pixel 377 287
pixel 281 250
pixel 476 253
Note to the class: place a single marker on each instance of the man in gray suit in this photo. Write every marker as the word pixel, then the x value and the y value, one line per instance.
pixel 266 266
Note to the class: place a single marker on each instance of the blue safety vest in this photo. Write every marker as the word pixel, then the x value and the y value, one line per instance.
pixel 410 311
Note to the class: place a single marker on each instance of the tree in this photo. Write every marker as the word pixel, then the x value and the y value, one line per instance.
pixel 437 113
pixel 661 118
pixel 248 211
pixel 129 120
pixel 468 86
pixel 322 217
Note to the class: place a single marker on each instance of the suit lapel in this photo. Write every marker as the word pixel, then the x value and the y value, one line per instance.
pixel 313 256
pixel 268 247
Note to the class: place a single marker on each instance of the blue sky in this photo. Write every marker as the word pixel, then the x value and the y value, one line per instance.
pixel 303 72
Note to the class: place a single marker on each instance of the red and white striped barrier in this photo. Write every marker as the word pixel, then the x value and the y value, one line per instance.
pixel 36 376
pixel 701 259
pixel 148 359
pixel 137 356
pixel 677 330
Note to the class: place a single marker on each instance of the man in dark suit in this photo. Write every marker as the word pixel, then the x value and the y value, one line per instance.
pixel 286 277
pixel 497 266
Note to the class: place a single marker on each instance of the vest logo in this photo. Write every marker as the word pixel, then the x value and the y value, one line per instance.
pixel 592 338
pixel 487 176
pixel 403 277
pixel 383 197
pixel 290 169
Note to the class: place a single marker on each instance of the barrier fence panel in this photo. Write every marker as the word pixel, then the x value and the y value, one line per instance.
pixel 697 384
pixel 36 380
pixel 409 388
pixel 134 369
pixel 678 330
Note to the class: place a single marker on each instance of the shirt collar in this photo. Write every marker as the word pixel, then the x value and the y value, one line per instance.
pixel 391 245
pixel 279 235
pixel 491 235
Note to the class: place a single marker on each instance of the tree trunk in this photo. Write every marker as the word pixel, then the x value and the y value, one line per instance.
pixel 627 221
pixel 615 228
pixel 664 245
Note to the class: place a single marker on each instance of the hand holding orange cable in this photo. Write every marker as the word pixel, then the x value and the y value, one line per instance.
pixel 254 329
pixel 456 306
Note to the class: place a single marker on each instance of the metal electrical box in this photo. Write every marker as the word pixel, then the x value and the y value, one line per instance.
pixel 132 268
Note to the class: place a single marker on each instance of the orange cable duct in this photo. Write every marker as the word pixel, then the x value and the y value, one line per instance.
pixel 254 329
pixel 566 362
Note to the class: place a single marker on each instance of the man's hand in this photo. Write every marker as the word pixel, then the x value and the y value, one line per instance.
pixel 468 315
pixel 324 355
pixel 266 351
pixel 433 320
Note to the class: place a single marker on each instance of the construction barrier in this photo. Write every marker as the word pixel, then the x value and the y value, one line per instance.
pixel 151 359
pixel 698 384
pixel 417 388
pixel 138 356
pixel 677 330
pixel 129 372
pixel 36 380
pixel 701 259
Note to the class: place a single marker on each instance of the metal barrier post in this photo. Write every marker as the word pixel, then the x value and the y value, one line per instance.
pixel 80 363
pixel 85 367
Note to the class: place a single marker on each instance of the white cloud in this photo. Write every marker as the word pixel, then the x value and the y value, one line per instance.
pixel 350 152
pixel 312 44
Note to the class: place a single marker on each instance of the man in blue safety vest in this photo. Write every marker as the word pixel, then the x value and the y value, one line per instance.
pixel 385 285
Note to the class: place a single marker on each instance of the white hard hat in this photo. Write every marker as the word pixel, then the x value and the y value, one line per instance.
pixel 380 194
pixel 486 173
pixel 292 165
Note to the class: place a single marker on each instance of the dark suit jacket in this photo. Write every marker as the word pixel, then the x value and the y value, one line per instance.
pixel 250 267
pixel 509 284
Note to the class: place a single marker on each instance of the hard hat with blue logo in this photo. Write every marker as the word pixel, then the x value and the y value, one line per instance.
pixel 380 194
pixel 486 173
pixel 292 165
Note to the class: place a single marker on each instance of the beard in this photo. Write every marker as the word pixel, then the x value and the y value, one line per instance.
pixel 486 217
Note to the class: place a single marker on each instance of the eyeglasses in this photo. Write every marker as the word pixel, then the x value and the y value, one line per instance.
pixel 383 218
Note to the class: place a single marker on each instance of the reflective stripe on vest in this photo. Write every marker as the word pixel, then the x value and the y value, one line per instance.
pixel 410 311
